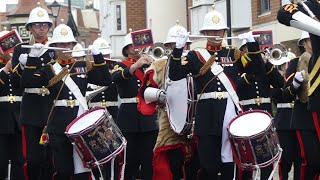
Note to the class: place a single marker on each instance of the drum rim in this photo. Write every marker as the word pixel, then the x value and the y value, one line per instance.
pixel 248 112
pixel 79 117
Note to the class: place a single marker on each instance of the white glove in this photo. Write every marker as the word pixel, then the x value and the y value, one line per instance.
pixel 23 60
pixel 36 52
pixel 298 79
pixel 181 40
pixel 247 36
pixel 94 49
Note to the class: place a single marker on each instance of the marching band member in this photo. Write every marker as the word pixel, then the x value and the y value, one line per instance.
pixel 286 133
pixel 36 102
pixel 253 88
pixel 139 130
pixel 78 55
pixel 10 130
pixel 107 98
pixel 173 153
pixel 216 94
pixel 296 88
pixel 69 100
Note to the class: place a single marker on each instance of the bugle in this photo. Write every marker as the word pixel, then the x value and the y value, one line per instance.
pixel 277 54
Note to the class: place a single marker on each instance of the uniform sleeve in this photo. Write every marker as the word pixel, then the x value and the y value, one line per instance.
pixel 289 92
pixel 4 78
pixel 120 72
pixel 274 77
pixel 276 94
pixel 17 71
pixel 33 78
pixel 99 74
pixel 252 61
pixel 180 67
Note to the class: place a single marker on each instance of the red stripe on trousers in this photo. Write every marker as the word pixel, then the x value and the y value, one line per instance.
pixel 24 152
pixel 303 155
pixel 316 123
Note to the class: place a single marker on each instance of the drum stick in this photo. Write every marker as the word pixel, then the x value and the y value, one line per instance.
pixel 45 47
pixel 236 37
pixel 115 60
pixel 86 49
pixel 198 36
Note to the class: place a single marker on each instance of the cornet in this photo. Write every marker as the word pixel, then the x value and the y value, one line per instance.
pixel 277 54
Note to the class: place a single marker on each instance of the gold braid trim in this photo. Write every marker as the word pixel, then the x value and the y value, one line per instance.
pixel 89 65
pixel 206 66
pixel 237 54
pixel 58 77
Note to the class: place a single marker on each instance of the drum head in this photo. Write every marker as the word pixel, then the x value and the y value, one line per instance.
pixel 85 120
pixel 250 123
pixel 177 104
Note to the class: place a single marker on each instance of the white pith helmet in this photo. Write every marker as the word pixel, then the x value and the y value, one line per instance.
pixel 214 20
pixel 127 41
pixel 244 42
pixel 103 43
pixel 78 53
pixel 62 34
pixel 304 35
pixel 174 31
pixel 38 15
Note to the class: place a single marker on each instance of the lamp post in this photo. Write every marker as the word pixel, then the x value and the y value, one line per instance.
pixel 55 9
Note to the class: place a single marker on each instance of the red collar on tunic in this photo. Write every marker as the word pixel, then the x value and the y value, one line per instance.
pixel 214 48
pixel 63 61
pixel 132 61
pixel 43 42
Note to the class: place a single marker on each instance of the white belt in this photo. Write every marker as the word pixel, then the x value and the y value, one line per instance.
pixel 41 91
pixel 256 101
pixel 67 103
pixel 285 105
pixel 213 95
pixel 129 100
pixel 10 98
pixel 104 104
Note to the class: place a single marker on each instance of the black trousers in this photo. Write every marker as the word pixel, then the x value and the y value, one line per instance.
pixel 62 152
pixel 140 153
pixel 209 151
pixel 290 154
pixel 38 157
pixel 176 160
pixel 310 147
pixel 11 150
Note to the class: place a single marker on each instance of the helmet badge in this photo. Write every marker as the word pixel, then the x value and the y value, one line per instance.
pixel 64 31
pixel 103 45
pixel 215 19
pixel 40 13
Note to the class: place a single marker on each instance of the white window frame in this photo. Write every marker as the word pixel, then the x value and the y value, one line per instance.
pixel 262 9
pixel 113 7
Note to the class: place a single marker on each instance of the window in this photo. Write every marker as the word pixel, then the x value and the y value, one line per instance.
pixel 118 17
pixel 264 6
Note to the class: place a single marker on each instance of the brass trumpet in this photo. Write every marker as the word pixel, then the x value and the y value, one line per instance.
pixel 277 54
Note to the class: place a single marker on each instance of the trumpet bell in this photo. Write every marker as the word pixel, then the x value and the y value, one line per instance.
pixel 277 54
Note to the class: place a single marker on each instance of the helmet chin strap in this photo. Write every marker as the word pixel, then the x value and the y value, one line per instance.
pixel 214 41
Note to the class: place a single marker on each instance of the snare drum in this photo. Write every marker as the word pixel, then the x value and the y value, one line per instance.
pixel 253 139
pixel 96 137
pixel 180 105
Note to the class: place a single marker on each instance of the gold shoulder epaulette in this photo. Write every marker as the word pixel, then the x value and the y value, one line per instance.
pixel 237 53
pixel 25 42
pixel 89 65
